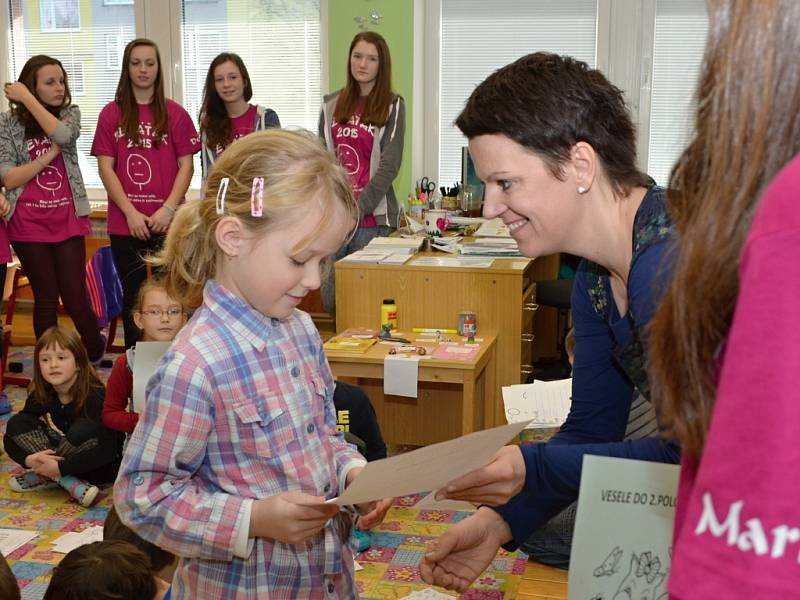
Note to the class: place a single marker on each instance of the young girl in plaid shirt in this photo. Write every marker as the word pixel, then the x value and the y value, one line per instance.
pixel 236 449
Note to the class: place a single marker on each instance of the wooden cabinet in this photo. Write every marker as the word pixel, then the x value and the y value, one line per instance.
pixel 503 296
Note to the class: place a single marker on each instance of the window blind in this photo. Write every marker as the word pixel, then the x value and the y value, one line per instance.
pixel 79 33
pixel 680 35
pixel 279 43
pixel 478 37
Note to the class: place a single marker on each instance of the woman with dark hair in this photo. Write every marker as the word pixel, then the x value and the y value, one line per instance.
pixel 555 144
pixel 144 144
pixel 47 211
pixel 364 124
pixel 724 349
pixel 226 114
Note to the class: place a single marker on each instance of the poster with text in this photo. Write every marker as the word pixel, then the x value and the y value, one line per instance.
pixel 622 544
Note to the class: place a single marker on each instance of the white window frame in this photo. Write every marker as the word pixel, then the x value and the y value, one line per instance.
pixel 625 31
pixel 48 6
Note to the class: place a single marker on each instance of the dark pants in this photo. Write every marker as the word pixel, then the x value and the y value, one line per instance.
pixel 27 434
pixel 129 253
pixel 551 544
pixel 59 270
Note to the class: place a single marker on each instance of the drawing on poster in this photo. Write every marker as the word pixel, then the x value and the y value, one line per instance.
pixel 644 580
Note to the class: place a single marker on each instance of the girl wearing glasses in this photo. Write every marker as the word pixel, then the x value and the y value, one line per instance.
pixel 159 318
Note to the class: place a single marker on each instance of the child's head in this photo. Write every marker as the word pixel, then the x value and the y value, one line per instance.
pixel 60 362
pixel 162 563
pixel 107 570
pixel 9 590
pixel 158 317
pixel 273 260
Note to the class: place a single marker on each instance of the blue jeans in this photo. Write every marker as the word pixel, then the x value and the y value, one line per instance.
pixel 551 544
pixel 362 237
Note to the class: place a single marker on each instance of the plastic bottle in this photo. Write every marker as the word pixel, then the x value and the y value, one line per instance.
pixel 389 313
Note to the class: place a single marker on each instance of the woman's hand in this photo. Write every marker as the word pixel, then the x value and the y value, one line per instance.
pixel 5 205
pixel 16 91
pixel 160 220
pixel 494 484
pixel 138 224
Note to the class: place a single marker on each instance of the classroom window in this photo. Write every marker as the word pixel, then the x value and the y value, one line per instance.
pixel 478 37
pixel 680 36
pixel 59 15
pixel 84 54
pixel 279 43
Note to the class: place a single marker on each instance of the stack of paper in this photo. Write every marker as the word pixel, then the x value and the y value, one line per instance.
pixel 349 344
pixel 11 539
pixel 493 228
pixel 493 247
pixel 75 539
pixel 396 245
pixel 384 257
pixel 544 403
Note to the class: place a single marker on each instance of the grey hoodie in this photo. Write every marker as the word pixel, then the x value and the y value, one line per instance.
pixel 377 197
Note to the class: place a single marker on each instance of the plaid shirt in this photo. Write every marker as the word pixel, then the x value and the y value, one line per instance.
pixel 240 408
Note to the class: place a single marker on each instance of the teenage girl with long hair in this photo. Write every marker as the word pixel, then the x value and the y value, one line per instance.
pixel 364 125
pixel 226 113
pixel 144 145
pixel 48 216
pixel 724 348
pixel 59 435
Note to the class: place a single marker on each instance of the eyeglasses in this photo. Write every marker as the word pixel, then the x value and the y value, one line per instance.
pixel 159 312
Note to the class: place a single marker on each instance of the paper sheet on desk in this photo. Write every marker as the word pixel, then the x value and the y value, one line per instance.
pixel 543 403
pixel 147 357
pixel 401 375
pixel 428 468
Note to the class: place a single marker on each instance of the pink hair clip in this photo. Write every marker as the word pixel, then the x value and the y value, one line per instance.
pixel 221 192
pixel 257 197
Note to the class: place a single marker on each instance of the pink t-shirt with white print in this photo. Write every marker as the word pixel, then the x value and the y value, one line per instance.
pixel 243 125
pixel 45 211
pixel 737 525
pixel 353 142
pixel 147 172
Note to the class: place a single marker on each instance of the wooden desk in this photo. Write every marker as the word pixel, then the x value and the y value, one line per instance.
pixel 503 296
pixel 452 394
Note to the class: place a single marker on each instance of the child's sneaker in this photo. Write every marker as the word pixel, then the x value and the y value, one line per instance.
pixel 83 491
pixel 29 481
pixel 5 404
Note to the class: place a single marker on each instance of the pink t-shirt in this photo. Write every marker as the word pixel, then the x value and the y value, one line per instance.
pixel 353 142
pixel 737 527
pixel 147 172
pixel 242 125
pixel 45 211
pixel 5 249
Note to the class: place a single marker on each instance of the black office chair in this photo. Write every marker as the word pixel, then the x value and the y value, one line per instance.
pixel 557 293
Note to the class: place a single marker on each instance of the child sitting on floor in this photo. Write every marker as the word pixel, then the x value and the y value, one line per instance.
pixel 159 318
pixel 58 435
pixel 107 570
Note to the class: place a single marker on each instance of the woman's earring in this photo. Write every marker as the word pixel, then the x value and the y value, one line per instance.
pixel 581 189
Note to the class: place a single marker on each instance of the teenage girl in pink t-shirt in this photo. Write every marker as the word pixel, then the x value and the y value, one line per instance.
pixel 49 211
pixel 724 349
pixel 144 144
pixel 226 113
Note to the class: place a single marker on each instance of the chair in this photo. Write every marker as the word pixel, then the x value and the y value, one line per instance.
pixel 557 294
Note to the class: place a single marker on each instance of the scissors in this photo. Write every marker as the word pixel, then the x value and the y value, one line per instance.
pixel 427 186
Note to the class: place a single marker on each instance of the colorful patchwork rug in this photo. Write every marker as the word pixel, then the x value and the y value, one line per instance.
pixel 391 564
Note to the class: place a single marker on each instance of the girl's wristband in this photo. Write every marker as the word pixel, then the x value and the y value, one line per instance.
pixel 169 208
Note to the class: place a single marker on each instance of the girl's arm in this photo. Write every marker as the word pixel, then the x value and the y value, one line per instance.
pixel 118 391
pixel 18 92
pixel 160 220
pixel 391 159
pixel 137 222
pixel 20 175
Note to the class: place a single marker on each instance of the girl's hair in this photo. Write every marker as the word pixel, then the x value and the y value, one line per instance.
pixel 28 75
pixel 9 590
pixel 376 109
pixel 547 103
pixel 115 529
pixel 214 120
pixel 747 129
pixel 127 101
pixel 87 379
pixel 107 570
pixel 153 283
pixel 298 173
